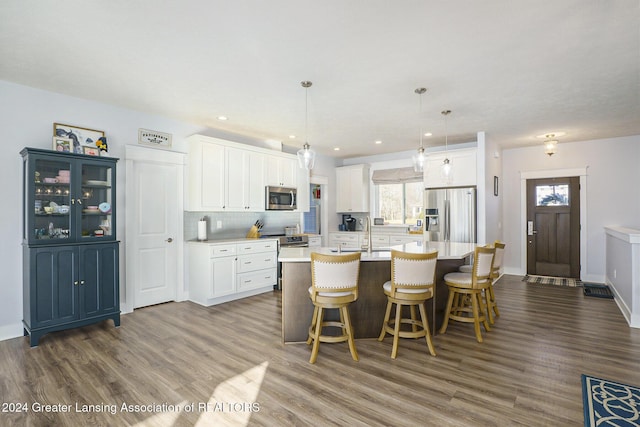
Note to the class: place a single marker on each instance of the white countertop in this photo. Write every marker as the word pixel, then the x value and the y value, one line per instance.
pixel 230 240
pixel 446 250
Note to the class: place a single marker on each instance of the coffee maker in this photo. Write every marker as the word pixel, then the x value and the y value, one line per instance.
pixel 349 222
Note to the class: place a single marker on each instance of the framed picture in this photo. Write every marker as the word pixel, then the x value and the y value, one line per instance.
pixel 80 137
pixel 62 144
pixel 495 185
pixel 91 151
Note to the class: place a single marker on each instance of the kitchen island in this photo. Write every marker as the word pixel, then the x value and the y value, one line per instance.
pixel 367 313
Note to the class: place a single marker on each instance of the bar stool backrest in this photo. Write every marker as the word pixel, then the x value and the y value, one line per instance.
pixel 497 262
pixel 334 273
pixel 482 265
pixel 412 271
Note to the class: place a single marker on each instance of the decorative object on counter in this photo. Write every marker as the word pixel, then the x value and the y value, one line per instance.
pixel 154 138
pixel 420 157
pixel 101 143
pixel 378 221
pixel 91 151
pixel 446 163
pixel 202 229
pixel 306 156
pixel 62 144
pixel 254 231
pixel 80 137
pixel 104 207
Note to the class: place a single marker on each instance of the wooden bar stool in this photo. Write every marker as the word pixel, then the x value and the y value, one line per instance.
pixel 412 283
pixel 489 295
pixel 334 284
pixel 463 286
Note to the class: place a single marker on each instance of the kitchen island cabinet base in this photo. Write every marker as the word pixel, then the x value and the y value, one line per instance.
pixel 367 313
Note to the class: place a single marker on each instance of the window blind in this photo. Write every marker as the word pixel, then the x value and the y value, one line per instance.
pixel 396 176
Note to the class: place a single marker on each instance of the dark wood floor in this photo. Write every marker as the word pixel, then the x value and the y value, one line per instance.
pixel 527 372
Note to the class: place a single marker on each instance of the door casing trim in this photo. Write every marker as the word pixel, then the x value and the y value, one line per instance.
pixel 554 173
pixel 135 153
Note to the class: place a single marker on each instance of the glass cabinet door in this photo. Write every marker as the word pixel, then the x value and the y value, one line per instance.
pixel 96 201
pixel 51 200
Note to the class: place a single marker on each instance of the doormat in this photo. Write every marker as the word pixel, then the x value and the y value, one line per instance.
pixel 548 280
pixel 597 290
pixel 608 403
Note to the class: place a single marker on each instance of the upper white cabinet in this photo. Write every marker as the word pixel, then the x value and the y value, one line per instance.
pixel 352 188
pixel 281 171
pixel 227 176
pixel 207 176
pixel 245 185
pixel 463 169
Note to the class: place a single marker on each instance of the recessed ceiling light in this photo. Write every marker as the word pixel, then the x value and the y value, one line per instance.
pixel 223 118
pixel 428 134
pixel 292 137
pixel 378 142
pixel 551 135
pixel 336 149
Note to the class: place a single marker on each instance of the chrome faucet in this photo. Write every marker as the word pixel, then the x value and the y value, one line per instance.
pixel 369 245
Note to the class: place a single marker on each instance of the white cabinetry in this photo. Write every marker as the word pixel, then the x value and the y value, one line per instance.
pixel 221 272
pixel 231 177
pixel 346 240
pixel 352 188
pixel 315 241
pixel 378 240
pixel 463 169
pixel 281 171
pixel 244 177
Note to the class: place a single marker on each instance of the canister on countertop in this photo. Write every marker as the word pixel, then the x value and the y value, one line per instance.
pixel 202 229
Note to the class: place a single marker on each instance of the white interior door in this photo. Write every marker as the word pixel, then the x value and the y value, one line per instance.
pixel 154 231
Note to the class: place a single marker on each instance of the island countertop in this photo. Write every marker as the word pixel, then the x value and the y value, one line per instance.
pixel 446 251
pixel 368 311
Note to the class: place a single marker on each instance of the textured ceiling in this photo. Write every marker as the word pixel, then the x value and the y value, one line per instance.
pixel 514 69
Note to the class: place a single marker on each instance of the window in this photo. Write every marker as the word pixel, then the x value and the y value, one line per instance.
pixel 552 195
pixel 400 203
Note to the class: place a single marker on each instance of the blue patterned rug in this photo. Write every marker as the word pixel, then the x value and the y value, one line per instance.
pixel 608 403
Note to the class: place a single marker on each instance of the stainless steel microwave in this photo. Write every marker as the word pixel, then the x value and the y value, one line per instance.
pixel 280 198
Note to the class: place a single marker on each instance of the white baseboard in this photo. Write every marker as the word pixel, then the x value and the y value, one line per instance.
pixel 11 331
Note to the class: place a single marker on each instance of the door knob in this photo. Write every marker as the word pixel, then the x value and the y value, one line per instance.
pixel 169 240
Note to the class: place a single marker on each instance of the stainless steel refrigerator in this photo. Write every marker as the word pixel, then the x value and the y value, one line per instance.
pixel 450 214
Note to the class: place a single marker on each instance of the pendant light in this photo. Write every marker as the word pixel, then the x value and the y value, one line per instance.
pixel 306 156
pixel 419 158
pixel 550 144
pixel 446 164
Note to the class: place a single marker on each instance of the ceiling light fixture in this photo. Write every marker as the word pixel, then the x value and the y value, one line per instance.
pixel 419 157
pixel 550 144
pixel 446 164
pixel 306 156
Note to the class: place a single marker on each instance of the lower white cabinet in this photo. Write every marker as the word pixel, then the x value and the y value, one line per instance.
pixel 315 241
pixel 346 240
pixel 221 272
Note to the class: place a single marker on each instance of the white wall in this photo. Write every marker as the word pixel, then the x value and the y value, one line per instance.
pixel 26 118
pixel 492 204
pixel 612 193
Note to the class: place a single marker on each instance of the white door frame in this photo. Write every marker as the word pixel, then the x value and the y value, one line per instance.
pixel 323 181
pixel 135 153
pixel 554 173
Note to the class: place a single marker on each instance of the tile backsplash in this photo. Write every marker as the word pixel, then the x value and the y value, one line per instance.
pixel 237 224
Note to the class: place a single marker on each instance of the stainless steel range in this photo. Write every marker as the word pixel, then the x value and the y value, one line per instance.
pixel 299 241
pixel 295 241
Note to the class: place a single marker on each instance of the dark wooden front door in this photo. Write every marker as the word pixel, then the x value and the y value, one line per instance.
pixel 553 227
